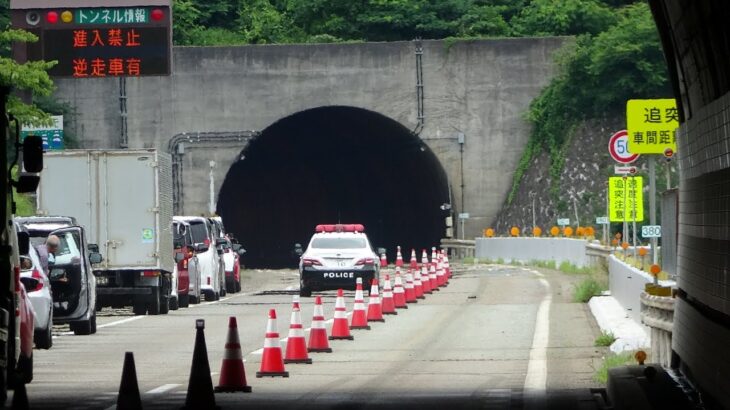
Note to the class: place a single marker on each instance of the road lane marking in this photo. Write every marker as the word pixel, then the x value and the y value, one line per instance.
pixel 121 321
pixel 162 389
pixel 536 379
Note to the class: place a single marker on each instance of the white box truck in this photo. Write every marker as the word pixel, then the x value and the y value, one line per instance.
pixel 123 199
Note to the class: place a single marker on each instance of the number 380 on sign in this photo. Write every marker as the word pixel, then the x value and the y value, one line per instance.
pixel 651 231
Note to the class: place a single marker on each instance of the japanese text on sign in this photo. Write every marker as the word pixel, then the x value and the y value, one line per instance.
pixel 651 125
pixel 626 199
pixel 108 52
pixel 112 16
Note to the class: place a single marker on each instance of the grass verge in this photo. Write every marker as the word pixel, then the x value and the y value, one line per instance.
pixel 605 339
pixel 610 361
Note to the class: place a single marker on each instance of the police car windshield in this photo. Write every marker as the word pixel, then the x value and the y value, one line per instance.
pixel 338 243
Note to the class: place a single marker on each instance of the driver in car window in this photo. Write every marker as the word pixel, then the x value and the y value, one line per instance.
pixel 47 252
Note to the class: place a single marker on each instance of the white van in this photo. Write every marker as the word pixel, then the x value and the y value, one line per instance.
pixel 208 260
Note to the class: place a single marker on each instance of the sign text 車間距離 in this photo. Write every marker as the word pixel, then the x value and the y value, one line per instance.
pixel 651 125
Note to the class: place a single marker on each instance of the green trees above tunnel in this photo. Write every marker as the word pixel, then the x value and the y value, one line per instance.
pixel 596 76
pixel 228 22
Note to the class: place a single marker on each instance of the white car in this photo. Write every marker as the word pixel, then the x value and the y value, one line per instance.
pixel 38 288
pixel 336 256
pixel 206 255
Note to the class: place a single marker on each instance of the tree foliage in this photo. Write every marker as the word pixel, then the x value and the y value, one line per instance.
pixel 597 75
pixel 31 77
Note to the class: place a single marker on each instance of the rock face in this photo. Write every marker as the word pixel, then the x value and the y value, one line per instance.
pixel 582 186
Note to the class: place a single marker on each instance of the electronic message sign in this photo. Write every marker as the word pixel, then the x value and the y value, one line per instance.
pixel 95 42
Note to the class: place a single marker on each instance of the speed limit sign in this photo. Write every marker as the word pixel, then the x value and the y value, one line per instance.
pixel 618 147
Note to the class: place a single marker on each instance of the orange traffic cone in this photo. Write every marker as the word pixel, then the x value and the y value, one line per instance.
pixel 387 305
pixel 425 281
pixel 433 254
pixel 398 257
pixel 440 275
pixel 375 310
pixel 359 315
pixel 296 344
pixel 383 261
pixel 418 284
pixel 414 261
pixel 424 257
pixel 318 335
pixel 233 376
pixel 447 266
pixel 272 364
pixel 399 296
pixel 340 327
pixel 410 290
pixel 432 277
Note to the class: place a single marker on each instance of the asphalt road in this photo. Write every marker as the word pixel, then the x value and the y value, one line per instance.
pixel 496 337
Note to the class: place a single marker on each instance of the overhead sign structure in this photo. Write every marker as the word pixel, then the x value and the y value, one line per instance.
pixel 651 231
pixel 99 41
pixel 626 199
pixel 619 149
pixel 52 135
pixel 651 125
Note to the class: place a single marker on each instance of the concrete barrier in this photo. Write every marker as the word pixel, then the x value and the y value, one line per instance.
pixel 530 249
pixel 627 283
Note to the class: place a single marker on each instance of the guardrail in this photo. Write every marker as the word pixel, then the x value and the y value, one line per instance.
pixel 459 248
pixel 657 312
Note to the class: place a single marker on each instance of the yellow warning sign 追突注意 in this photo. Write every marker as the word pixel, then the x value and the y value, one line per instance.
pixel 626 199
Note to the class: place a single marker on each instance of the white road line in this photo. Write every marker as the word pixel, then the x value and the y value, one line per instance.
pixel 536 379
pixel 162 389
pixel 119 322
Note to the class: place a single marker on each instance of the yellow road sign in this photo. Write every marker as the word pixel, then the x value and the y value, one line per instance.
pixel 626 199
pixel 651 125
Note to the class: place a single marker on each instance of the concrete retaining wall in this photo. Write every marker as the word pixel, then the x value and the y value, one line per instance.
pixel 627 283
pixel 530 249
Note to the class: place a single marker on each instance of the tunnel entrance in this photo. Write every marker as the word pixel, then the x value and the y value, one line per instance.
pixel 328 165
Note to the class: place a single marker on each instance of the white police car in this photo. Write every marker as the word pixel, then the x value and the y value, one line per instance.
pixel 336 256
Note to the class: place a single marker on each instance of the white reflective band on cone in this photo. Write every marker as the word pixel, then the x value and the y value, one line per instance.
pixel 271 326
pixel 296 332
pixel 233 354
pixel 340 314
pixel 271 342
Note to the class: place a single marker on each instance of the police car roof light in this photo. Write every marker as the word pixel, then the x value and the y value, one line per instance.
pixel 340 228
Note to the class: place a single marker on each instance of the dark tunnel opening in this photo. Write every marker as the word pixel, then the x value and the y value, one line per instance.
pixel 328 165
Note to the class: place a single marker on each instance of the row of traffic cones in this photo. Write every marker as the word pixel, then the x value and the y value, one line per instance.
pixel 200 394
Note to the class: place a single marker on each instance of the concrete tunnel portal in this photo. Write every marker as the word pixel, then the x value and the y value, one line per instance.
pixel 328 165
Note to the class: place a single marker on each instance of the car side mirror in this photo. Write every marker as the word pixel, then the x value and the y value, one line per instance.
pixel 298 249
pixel 23 243
pixel 382 251
pixel 220 242
pixel 200 247
pixel 33 153
pixel 240 251
pixel 92 247
pixel 95 257
pixel 236 247
pixel 179 256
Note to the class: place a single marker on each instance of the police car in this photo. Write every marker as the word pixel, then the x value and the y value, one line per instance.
pixel 336 256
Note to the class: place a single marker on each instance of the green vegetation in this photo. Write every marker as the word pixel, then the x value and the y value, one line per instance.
pixel 605 339
pixel 232 22
pixel 611 361
pixel 543 264
pixel 607 65
pixel 24 205
pixel 586 289
pixel 567 267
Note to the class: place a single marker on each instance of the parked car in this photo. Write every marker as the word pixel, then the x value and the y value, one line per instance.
pixel 206 255
pixel 219 237
pixel 232 263
pixel 22 352
pixel 38 288
pixel 72 282
pixel 186 278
